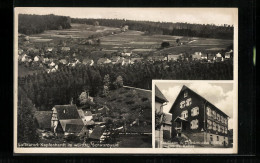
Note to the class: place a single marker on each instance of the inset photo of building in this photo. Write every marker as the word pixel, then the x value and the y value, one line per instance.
pixel 193 114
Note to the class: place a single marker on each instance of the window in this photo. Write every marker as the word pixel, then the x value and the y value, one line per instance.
pixel 214 126
pixel 185 94
pixel 214 114
pixel 195 111
pixel 219 130
pixel 182 104
pixel 194 124
pixel 188 102
pixel 211 138
pixel 222 119
pixel 209 124
pixel 225 121
pixel 184 114
pixel 209 111
pixel 225 130
pixel 218 117
pixel 217 138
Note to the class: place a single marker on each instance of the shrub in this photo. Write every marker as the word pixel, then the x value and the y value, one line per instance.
pixel 129 102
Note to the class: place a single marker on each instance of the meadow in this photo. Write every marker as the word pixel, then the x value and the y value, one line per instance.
pixel 113 40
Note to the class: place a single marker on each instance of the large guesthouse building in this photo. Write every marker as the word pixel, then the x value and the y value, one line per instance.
pixel 197 120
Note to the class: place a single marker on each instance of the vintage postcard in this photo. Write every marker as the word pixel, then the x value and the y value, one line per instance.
pixel 85 79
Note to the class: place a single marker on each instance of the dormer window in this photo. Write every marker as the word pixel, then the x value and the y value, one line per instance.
pixel 188 102
pixel 185 94
pixel 182 104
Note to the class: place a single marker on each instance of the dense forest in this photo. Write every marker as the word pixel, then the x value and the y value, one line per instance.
pixel 166 28
pixel 33 24
pixel 46 90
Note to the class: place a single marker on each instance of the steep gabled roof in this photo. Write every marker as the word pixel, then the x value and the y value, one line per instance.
pixel 64 123
pixel 73 128
pixel 97 133
pixel 159 96
pixel 43 118
pixel 67 112
pixel 186 88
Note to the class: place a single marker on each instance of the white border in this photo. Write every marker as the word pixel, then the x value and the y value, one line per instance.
pixel 129 150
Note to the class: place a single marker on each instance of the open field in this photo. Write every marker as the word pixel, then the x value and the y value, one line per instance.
pixel 113 40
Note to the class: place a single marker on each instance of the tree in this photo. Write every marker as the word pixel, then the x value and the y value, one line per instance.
pixel 159 120
pixel 84 100
pixel 165 44
pixel 106 80
pixel 119 82
pixel 26 124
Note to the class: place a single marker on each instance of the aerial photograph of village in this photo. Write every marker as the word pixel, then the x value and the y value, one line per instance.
pixel 85 75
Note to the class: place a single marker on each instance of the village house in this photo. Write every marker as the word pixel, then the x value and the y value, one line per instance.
pixel 20 51
pixel 36 59
pixel 124 28
pixel 196 56
pixel 126 53
pixel 229 54
pixel 63 61
pixel 65 48
pixel 103 61
pixel 115 59
pixel 173 57
pixel 52 64
pixel 160 102
pixel 204 56
pixel 197 120
pixel 25 58
pixel 159 58
pixel 45 60
pixel 62 115
pixel 89 62
pixel 97 134
pixel 48 49
pixel 219 57
pixel 86 117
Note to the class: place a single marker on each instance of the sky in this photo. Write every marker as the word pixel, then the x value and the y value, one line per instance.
pixel 219 94
pixel 217 16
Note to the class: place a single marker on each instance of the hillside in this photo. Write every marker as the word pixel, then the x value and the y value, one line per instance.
pixel 128 104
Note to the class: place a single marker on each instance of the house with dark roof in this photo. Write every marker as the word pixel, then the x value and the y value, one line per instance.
pixel 160 102
pixel 198 120
pixel 62 115
pixel 43 119
pixel 97 133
